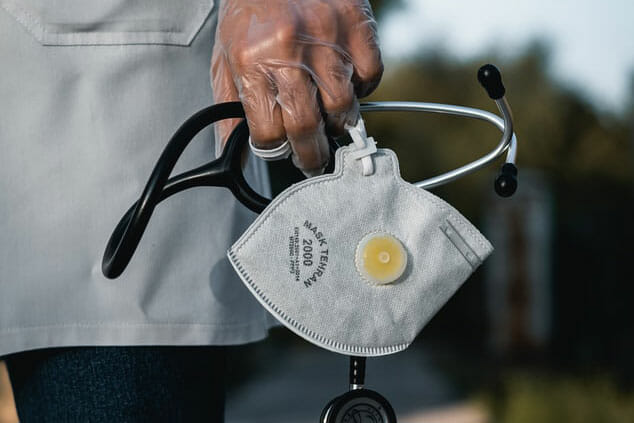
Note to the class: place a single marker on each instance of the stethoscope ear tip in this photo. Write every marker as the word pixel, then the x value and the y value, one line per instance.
pixel 506 181
pixel 491 79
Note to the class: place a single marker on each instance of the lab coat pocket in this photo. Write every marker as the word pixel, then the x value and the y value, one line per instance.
pixel 110 22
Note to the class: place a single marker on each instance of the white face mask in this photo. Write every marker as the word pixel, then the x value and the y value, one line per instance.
pixel 357 261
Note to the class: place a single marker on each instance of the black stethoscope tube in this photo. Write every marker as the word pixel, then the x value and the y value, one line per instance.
pixel 226 171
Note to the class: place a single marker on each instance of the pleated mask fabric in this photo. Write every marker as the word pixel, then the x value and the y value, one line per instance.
pixel 357 264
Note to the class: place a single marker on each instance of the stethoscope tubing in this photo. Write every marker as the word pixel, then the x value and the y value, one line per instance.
pixel 508 141
pixel 128 232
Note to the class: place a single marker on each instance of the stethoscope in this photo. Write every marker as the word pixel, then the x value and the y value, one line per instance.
pixel 358 404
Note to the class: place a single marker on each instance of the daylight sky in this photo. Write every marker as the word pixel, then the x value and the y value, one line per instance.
pixel 592 41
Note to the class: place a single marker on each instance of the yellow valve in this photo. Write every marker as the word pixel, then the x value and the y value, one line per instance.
pixel 381 258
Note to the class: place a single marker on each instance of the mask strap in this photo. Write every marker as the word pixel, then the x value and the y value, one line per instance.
pixel 366 146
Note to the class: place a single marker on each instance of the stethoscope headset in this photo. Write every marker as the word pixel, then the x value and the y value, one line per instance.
pixel 358 405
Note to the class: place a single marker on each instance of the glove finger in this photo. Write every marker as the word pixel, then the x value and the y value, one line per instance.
pixel 330 66
pixel 336 91
pixel 362 44
pixel 264 114
pixel 303 123
pixel 224 90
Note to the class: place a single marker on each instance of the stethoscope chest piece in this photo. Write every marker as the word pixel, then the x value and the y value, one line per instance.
pixel 359 405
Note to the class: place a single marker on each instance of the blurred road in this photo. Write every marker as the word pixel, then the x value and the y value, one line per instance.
pixel 300 382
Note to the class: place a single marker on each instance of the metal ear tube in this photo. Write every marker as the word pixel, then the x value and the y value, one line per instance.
pixel 492 82
pixel 490 78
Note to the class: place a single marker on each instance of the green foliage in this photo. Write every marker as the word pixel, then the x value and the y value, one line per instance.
pixel 545 399
pixel 559 132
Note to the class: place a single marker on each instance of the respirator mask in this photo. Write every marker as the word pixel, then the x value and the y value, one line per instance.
pixel 356 260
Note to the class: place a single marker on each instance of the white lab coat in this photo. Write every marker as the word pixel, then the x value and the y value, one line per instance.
pixel 90 93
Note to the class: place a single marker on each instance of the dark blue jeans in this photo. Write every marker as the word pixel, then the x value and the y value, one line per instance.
pixel 119 384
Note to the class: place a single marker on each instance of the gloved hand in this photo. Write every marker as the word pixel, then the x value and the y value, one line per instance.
pixel 298 67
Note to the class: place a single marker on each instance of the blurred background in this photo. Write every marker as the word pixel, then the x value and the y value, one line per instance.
pixel 543 331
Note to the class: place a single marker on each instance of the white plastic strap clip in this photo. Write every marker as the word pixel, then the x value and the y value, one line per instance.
pixel 366 146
